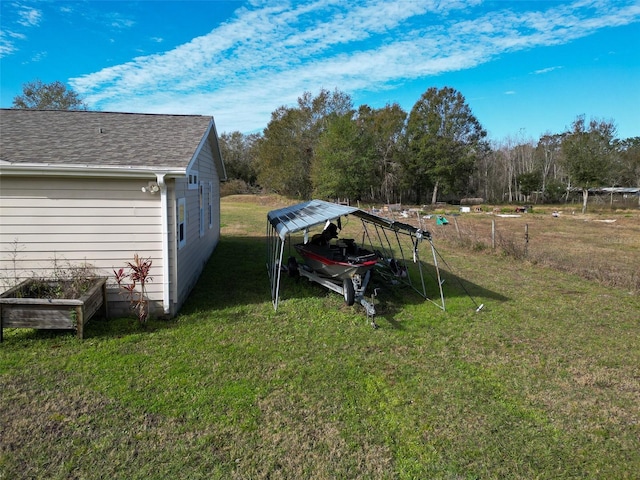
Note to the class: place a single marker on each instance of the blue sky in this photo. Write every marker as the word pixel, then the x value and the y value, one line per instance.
pixel 524 67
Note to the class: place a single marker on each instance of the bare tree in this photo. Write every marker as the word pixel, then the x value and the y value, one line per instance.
pixel 37 95
pixel 548 153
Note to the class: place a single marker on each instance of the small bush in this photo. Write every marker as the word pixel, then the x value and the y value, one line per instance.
pixel 236 187
pixel 73 280
pixel 66 281
pixel 137 276
pixel 479 247
pixel 511 247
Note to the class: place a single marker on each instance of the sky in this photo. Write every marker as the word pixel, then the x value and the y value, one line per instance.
pixel 525 68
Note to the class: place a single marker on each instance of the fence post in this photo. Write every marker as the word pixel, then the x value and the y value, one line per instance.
pixel 493 233
pixel 455 222
pixel 526 239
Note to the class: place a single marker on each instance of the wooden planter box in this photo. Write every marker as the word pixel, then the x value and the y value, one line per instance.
pixel 54 314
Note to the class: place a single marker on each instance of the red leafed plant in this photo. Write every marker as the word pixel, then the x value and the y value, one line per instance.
pixel 137 275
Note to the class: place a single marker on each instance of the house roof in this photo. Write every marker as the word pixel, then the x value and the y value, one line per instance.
pixel 103 140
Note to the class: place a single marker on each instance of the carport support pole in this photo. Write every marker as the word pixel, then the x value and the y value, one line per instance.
pixel 435 263
pixel 279 265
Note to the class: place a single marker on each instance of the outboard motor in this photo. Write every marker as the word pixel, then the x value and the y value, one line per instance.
pixel 292 267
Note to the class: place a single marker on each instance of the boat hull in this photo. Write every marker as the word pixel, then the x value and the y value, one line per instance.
pixel 335 262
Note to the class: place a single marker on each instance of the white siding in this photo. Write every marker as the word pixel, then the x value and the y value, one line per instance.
pixel 74 220
pixel 194 255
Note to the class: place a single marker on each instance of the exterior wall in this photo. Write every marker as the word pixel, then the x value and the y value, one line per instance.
pixel 70 221
pixel 193 256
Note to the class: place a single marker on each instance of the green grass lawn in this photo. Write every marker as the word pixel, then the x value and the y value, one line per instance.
pixel 544 382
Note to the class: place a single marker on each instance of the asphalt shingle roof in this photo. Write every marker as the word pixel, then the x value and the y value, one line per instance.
pixel 99 139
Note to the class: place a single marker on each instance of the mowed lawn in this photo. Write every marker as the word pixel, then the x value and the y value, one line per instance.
pixel 543 382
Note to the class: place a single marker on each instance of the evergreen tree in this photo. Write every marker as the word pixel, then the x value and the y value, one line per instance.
pixel 588 154
pixel 444 140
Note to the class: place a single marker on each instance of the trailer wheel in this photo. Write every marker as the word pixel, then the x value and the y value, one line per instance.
pixel 348 291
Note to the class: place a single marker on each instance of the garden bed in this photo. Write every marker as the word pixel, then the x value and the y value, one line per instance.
pixel 20 309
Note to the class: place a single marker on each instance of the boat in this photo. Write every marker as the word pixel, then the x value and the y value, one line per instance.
pixel 340 264
pixel 341 260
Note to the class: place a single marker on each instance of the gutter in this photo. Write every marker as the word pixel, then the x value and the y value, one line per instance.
pixel 164 212
pixel 46 169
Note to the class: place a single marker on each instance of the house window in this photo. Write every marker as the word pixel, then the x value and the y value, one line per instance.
pixel 210 204
pixel 182 223
pixel 192 178
pixel 201 205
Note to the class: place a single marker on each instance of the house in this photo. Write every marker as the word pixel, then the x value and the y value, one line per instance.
pixel 98 187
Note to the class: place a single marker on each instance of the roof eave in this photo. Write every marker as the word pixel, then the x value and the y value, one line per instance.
pixel 43 169
pixel 211 135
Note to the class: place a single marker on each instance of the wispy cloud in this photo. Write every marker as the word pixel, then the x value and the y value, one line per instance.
pixel 39 56
pixel 7 42
pixel 268 53
pixel 119 22
pixel 11 32
pixel 29 17
pixel 546 70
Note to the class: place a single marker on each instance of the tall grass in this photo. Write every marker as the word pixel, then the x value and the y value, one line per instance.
pixel 542 383
pixel 602 247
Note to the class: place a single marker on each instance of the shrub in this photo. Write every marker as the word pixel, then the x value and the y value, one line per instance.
pixel 137 276
pixel 235 187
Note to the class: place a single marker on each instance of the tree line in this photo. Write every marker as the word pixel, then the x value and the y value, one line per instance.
pixel 324 147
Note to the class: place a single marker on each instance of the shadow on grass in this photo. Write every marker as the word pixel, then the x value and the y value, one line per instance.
pixel 97 327
pixel 124 326
pixel 236 274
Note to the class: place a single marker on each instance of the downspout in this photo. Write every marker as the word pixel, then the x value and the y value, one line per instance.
pixel 164 213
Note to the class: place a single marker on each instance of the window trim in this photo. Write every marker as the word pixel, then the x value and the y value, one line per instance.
pixel 201 208
pixel 193 179
pixel 181 222
pixel 210 205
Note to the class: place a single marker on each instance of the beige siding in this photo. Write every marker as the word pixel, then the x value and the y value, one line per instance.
pixel 65 221
pixel 104 219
